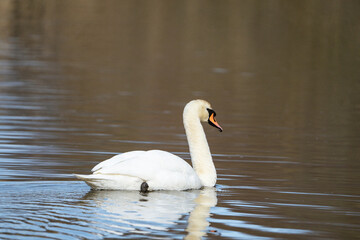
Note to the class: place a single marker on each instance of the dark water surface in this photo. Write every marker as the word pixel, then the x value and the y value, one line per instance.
pixel 81 81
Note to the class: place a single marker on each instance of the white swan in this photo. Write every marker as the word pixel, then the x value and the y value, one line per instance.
pixel 160 170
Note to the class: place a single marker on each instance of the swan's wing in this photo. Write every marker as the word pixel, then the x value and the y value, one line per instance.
pixel 117 159
pixel 161 170
pixel 145 165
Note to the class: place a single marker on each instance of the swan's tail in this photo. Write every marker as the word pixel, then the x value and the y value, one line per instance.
pixel 111 182
pixel 84 177
pixel 94 181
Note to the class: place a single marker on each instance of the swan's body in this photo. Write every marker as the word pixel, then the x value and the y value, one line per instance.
pixel 162 170
pixel 159 169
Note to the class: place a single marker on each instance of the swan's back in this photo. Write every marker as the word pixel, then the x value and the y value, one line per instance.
pixel 159 169
pixel 117 159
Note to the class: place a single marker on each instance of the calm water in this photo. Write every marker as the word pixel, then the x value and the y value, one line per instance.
pixel 81 81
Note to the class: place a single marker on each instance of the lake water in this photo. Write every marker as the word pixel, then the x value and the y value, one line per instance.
pixel 81 81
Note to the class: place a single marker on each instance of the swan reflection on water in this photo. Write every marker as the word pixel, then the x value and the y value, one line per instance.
pixel 158 210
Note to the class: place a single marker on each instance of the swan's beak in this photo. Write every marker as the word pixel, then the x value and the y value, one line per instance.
pixel 212 121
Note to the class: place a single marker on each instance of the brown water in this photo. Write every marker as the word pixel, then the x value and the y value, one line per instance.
pixel 81 81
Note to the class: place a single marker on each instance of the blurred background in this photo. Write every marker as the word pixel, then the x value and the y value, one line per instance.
pixel 83 80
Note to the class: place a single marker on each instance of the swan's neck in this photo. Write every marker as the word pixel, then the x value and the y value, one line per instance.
pixel 199 149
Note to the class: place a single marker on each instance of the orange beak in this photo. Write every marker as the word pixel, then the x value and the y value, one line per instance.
pixel 212 121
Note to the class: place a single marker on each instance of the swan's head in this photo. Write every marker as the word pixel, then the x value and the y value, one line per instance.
pixel 204 111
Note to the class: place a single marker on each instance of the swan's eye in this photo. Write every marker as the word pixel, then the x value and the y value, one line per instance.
pixel 211 112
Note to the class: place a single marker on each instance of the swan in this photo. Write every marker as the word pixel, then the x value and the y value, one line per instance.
pixel 159 170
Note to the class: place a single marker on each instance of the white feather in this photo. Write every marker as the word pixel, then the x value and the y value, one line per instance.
pixel 159 169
